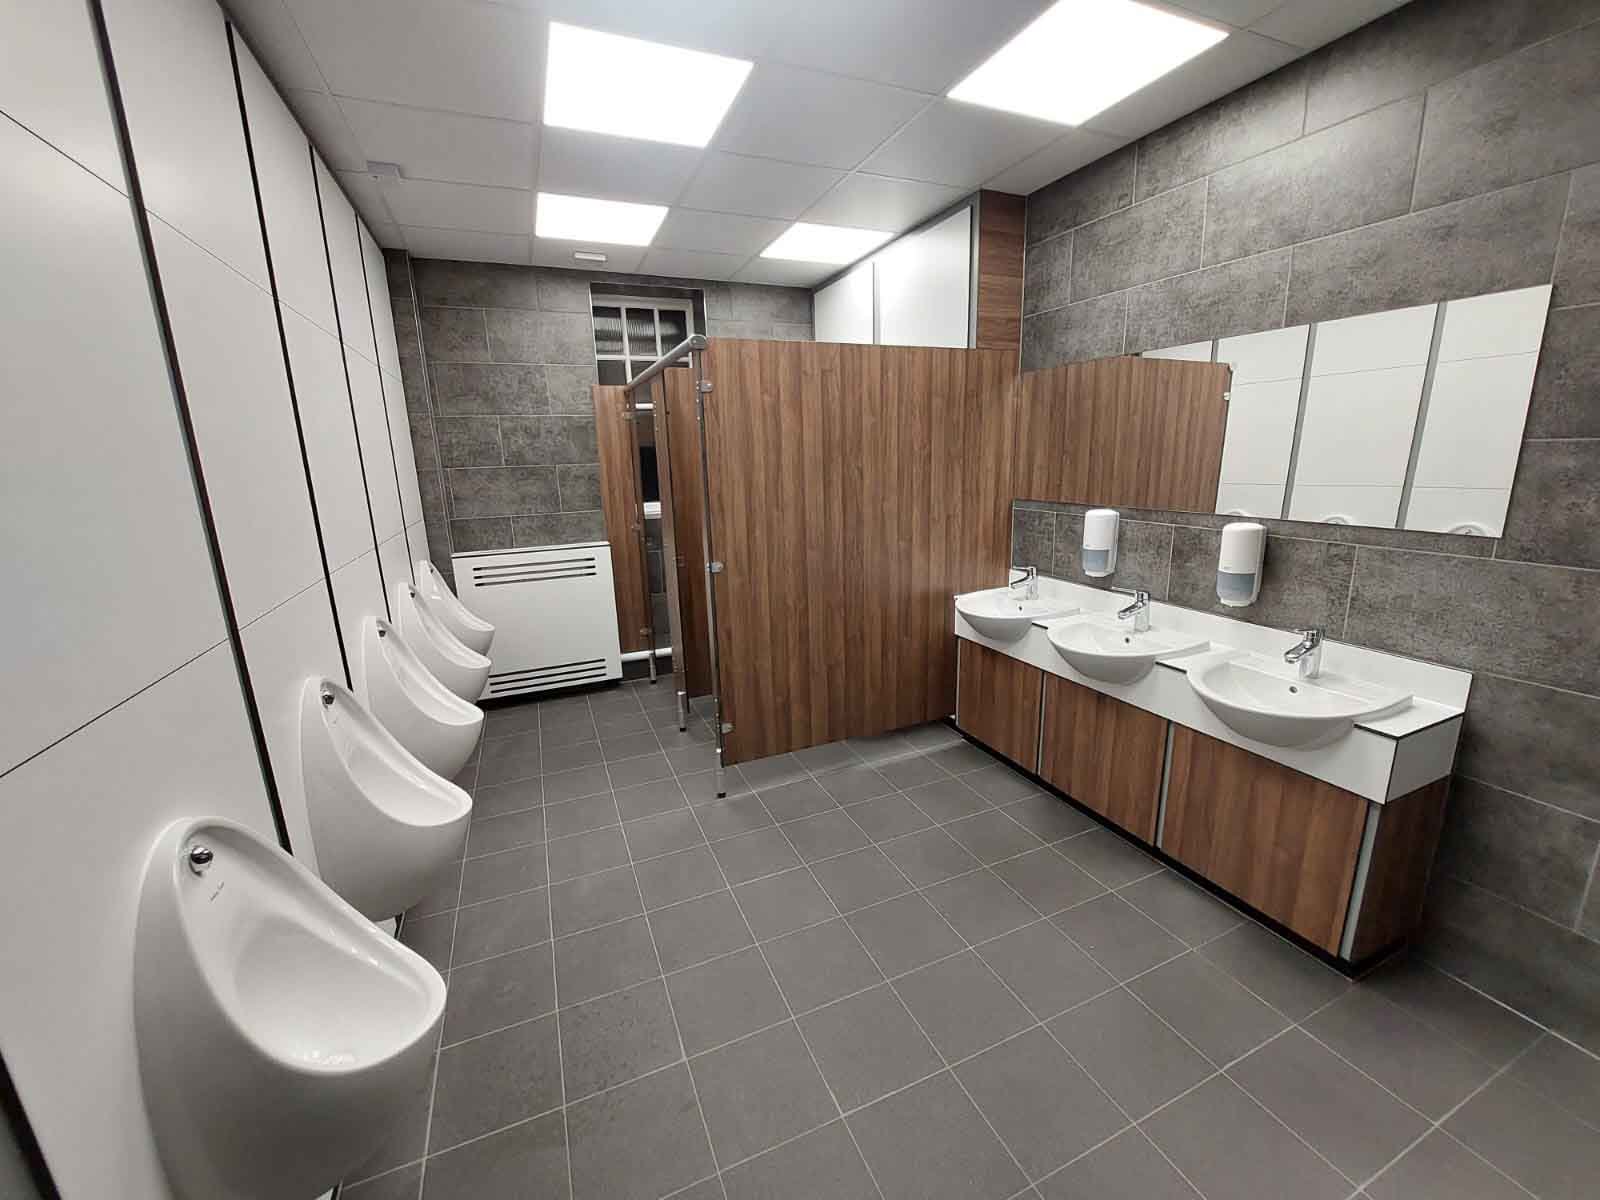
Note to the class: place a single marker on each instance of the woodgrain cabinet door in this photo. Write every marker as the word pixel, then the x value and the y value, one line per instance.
pixel 997 702
pixel 1103 753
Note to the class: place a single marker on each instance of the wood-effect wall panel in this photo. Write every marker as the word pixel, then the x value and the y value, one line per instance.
pixel 1105 754
pixel 619 500
pixel 1002 220
pixel 999 702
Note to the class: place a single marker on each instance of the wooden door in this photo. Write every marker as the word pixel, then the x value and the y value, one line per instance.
pixel 997 702
pixel 619 499
pixel 1105 754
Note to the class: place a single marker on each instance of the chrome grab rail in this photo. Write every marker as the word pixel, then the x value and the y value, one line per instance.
pixel 695 341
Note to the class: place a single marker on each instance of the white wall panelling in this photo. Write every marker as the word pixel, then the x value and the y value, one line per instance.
pixel 344 260
pixel 395 556
pixel 417 537
pixel 924 285
pixel 1274 354
pixel 843 310
pixel 372 424
pixel 1397 338
pixel 358 592
pixel 380 310
pixel 1193 352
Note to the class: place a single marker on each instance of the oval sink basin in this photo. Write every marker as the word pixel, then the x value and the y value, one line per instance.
pixel 1278 707
pixel 1004 615
pixel 1113 651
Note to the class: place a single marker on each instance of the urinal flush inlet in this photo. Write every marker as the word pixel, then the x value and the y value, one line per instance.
pixel 199 858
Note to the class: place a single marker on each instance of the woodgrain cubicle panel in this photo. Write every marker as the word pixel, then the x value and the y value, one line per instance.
pixel 999 702
pixel 1408 836
pixel 619 500
pixel 1139 432
pixel 854 491
pixel 1105 754
pixel 1002 220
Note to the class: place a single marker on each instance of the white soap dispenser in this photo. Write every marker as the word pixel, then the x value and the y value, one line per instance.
pixel 1244 544
pixel 1100 542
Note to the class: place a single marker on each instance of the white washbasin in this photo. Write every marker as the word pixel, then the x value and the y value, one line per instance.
pixel 1113 651
pixel 1002 614
pixel 1271 703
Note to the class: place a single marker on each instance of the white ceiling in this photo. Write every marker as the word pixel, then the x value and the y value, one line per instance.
pixel 843 120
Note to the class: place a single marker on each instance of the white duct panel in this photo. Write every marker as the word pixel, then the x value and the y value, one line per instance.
pixel 554 613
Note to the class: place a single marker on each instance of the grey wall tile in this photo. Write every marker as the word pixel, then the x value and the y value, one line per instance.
pixel 413 376
pixel 549 440
pixel 469 441
pixel 398 274
pixel 552 529
pixel 580 487
pixel 1568 379
pixel 503 491
pixel 569 388
pixel 481 388
pixel 1032 537
pixel 1530 622
pixel 785 331
pixel 1088 329
pixel 758 302
pixel 491 533
pixel 1423 43
pixel 520 336
pixel 431 485
pixel 1589 925
pixel 564 291
pixel 760 330
pixel 1350 174
pixel 1303 583
pixel 1530 114
pixel 454 335
pixel 1256 118
pixel 408 342
pixel 1151 240
pixel 1238 297
pixel 1491 243
pixel 1577 278
pixel 475 284
pixel 1144 555
pixel 424 447
pixel 1047 271
pixel 1097 190
pixel 437 527
pixel 1535 740
pixel 1537 856
pixel 1555 504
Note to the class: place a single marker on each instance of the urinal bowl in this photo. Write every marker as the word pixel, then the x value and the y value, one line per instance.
pixel 385 826
pixel 427 718
pixel 280 1033
pixel 461 669
pixel 470 629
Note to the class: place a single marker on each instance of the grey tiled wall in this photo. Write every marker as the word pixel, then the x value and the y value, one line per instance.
pixel 1450 148
pixel 504 436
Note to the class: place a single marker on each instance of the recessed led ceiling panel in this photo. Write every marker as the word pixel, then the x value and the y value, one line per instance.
pixel 838 244
pixel 611 222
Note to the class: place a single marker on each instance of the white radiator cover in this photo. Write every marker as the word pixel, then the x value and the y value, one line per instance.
pixel 554 613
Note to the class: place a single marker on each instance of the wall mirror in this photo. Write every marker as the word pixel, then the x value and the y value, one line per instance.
pixel 1406 419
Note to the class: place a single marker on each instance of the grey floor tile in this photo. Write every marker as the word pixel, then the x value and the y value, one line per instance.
pixel 628 745
pixel 1049 818
pixel 961 1005
pixel 402 1184
pixel 1540 1145
pixel 581 815
pixel 729 818
pixel 932 735
pixel 586 853
pixel 1423 1067
pixel 822 1165
pixel 611 728
pixel 1127 1167
pixel 1348 1119
pixel 569 758
pixel 881 747
pixel 928 856
pixel 699 929
pixel 1047 972
pixel 681 876
pixel 979 905
pixel 1208 1007
pixel 500 874
pixel 999 784
pixel 701 786
pixel 992 836
pixel 1038 1100
pixel 631 772
pixel 569 731
pixel 650 837
pixel 494 1081
pixel 929 1143
pixel 500 991
pixel 431 937
pixel 506 798
pixel 868 1046
pixel 946 799
pixel 903 933
pixel 1285 976
pixel 505 720
pixel 1118 936
pixel 888 816
pixel 1109 858
pixel 860 878
pixel 615 1038
pixel 1227 1145
pixel 1129 1051
pixel 1178 906
pixel 495 769
pixel 639 1141
pixel 751 855
pixel 1491 1031
pixel 503 833
pixel 820 964
pixel 407 1139
pixel 725 999
pixel 797 798
pixel 604 960
pixel 569 785
pixel 495 926
pixel 688 760
pixel 592 900
pixel 650 799
pixel 766 773
pixel 911 771
pixel 1047 881
pixel 466 778
pixel 1560 1071
pixel 526 1160
pixel 782 903
pixel 1441 1166
pixel 824 835
pixel 759 1091
pixel 828 757
pixel 960 758
pixel 850 785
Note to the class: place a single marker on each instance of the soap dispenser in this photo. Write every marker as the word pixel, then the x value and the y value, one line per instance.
pixel 1244 545
pixel 1100 542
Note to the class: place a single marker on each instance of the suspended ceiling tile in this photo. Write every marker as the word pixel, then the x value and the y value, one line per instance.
pixel 719 233
pixel 961 145
pixel 692 264
pixel 549 252
pixel 460 206
pixel 738 28
pixel 1311 23
pixel 613 168
pixel 1076 148
pixel 466 245
pixel 428 144
pixel 783 272
pixel 466 56
pixel 275 38
pixel 367 194
pixel 324 122
pixel 1237 13
pixel 757 187
pixel 387 235
pixel 808 117
pixel 877 202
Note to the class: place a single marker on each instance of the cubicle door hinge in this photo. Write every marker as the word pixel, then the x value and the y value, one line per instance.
pixel 726 728
pixel 704 387
pixel 714 567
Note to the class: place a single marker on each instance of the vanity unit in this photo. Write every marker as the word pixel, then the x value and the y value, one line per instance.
pixel 1315 799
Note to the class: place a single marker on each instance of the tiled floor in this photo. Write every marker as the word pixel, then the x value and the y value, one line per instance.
pixel 894 969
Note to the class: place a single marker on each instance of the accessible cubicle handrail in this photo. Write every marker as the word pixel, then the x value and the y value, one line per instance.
pixel 695 341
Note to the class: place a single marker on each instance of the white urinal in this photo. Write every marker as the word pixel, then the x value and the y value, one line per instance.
pixel 470 629
pixel 459 667
pixel 385 826
pixel 281 1034
pixel 427 718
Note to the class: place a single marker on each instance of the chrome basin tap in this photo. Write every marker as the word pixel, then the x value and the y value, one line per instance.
pixel 1138 611
pixel 1028 580
pixel 1307 652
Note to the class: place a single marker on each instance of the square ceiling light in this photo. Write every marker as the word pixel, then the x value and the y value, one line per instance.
pixel 836 244
pixel 610 222
pixel 605 83
pixel 1079 57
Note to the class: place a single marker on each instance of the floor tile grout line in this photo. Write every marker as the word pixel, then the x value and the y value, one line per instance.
pixel 433 1082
